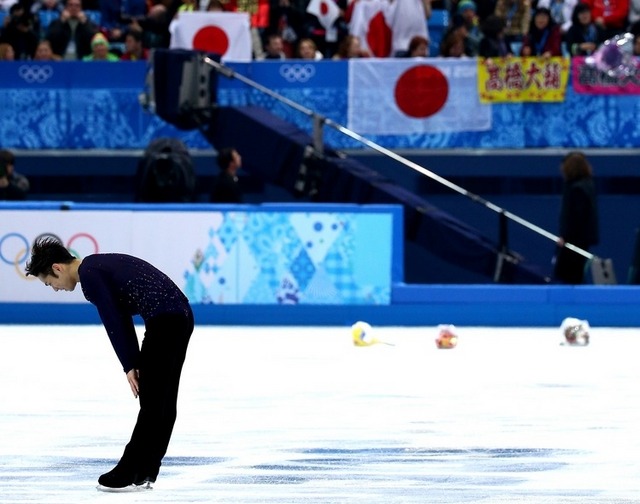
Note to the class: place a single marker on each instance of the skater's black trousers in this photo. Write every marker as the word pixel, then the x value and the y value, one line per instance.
pixel 161 358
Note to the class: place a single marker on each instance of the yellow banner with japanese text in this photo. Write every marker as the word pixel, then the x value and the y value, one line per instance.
pixel 522 79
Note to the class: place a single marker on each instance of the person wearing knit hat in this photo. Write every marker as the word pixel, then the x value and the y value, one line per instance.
pixel 464 5
pixel 466 10
pixel 100 49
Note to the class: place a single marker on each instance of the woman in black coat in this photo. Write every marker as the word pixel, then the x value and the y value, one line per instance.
pixel 584 36
pixel 578 218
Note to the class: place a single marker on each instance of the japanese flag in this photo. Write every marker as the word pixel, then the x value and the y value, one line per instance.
pixel 326 11
pixel 407 19
pixel 386 27
pixel 407 96
pixel 370 24
pixel 225 33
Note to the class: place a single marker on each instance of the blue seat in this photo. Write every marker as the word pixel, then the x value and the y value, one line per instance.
pixel 439 19
pixel 45 17
pixel 95 16
pixel 134 8
pixel 438 24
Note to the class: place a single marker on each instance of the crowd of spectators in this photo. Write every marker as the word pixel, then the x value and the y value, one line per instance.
pixel 90 30
pixel 113 30
pixel 495 28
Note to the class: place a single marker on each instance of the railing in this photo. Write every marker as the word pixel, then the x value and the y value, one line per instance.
pixel 319 122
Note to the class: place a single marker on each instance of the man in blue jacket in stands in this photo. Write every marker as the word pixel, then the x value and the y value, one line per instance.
pixel 121 286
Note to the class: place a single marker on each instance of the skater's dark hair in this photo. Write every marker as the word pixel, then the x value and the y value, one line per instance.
pixel 44 254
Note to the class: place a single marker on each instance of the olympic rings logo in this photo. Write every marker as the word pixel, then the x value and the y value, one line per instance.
pixel 35 73
pixel 15 247
pixel 297 72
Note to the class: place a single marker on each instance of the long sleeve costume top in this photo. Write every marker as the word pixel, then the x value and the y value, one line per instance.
pixel 121 286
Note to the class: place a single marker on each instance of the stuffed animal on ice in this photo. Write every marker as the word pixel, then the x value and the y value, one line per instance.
pixel 447 336
pixel 362 334
pixel 575 331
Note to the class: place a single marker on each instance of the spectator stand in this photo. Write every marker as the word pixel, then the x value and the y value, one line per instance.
pixel 438 24
pixel 46 17
pixel 95 16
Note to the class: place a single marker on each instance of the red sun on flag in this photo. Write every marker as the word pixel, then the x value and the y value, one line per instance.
pixel 379 36
pixel 211 39
pixel 324 8
pixel 421 91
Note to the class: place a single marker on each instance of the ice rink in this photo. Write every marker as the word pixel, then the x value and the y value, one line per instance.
pixel 298 415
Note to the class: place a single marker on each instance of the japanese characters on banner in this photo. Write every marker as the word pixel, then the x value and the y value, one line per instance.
pixel 522 79
pixel 588 79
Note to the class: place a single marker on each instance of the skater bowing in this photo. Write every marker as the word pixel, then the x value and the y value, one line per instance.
pixel 121 286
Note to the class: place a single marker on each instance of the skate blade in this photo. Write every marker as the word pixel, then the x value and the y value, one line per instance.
pixel 128 489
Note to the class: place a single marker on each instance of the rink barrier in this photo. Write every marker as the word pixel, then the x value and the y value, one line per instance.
pixel 411 305
pixel 220 254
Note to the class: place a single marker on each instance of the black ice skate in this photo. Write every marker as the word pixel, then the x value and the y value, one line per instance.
pixel 123 479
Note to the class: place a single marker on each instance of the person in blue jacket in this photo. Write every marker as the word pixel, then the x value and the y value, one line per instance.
pixel 121 286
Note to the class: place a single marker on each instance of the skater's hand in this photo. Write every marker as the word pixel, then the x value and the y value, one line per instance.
pixel 132 378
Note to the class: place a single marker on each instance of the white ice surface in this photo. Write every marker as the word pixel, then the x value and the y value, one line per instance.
pixel 299 415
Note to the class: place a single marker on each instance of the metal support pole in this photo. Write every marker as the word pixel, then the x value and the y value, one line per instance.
pixel 503 246
pixel 319 122
pixel 318 125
